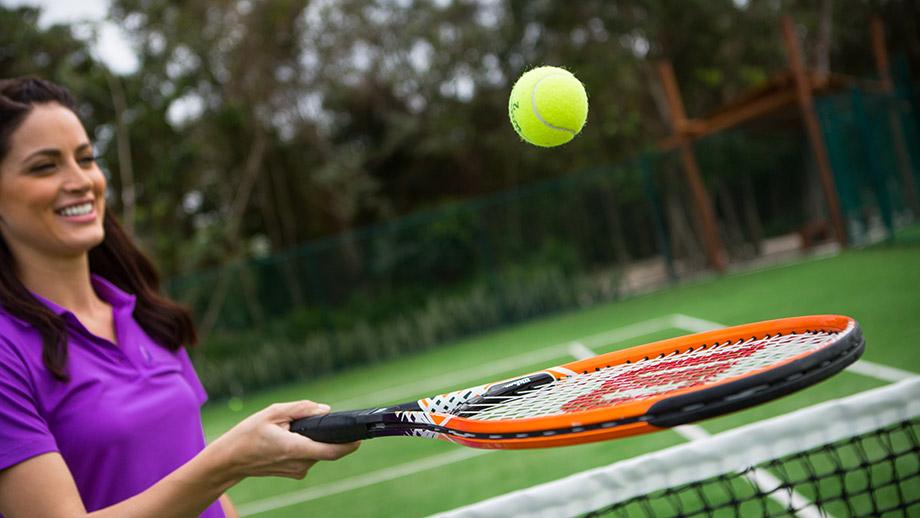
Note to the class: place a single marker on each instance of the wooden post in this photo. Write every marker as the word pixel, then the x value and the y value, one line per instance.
pixel 812 129
pixel 877 32
pixel 701 201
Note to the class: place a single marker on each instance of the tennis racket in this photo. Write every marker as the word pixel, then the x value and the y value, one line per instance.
pixel 637 390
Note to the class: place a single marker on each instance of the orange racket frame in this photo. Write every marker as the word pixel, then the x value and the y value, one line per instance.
pixel 647 414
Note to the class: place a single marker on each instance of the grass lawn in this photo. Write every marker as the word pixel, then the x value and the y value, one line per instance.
pixel 878 286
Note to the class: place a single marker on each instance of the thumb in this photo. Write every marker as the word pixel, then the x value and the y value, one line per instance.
pixel 285 412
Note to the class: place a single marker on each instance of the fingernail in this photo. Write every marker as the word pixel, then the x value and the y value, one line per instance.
pixel 323 407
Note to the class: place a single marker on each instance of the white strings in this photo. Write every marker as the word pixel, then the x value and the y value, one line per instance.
pixel 648 377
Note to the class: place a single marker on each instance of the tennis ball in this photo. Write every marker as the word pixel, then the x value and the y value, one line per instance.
pixel 548 106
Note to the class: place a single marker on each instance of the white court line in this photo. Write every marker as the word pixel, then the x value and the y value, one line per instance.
pixel 348 484
pixel 697 325
pixel 864 367
pixel 882 372
pixel 789 499
pixel 455 380
pixel 763 480
pixel 580 351
pixel 646 327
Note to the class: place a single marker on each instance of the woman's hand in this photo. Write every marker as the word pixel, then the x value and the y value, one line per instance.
pixel 262 445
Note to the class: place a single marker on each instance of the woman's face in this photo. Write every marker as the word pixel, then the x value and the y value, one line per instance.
pixel 52 193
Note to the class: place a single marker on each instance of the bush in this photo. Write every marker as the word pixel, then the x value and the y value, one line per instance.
pixel 300 345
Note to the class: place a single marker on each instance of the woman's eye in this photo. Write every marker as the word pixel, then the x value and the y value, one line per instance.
pixel 88 160
pixel 40 168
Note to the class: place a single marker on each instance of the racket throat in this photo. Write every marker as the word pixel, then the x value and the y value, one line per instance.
pixel 503 391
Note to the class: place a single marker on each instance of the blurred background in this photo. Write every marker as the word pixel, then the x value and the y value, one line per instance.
pixel 331 183
pixel 334 188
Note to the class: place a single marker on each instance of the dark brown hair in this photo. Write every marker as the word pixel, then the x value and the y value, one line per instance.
pixel 116 259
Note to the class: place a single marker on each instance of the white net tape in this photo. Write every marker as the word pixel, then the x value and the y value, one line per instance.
pixel 728 452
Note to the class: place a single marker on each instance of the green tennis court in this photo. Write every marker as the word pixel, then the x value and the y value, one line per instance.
pixel 875 285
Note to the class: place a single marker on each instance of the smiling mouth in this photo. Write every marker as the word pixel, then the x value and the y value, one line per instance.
pixel 76 210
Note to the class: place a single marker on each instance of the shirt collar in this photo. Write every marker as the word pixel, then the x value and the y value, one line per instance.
pixel 112 294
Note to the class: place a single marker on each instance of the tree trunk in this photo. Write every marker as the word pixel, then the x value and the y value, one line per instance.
pixel 125 164
pixel 751 215
pixel 238 208
pixel 684 241
pixel 616 225
pixel 732 227
pixel 822 57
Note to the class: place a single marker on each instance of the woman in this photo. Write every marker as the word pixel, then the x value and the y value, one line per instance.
pixel 99 403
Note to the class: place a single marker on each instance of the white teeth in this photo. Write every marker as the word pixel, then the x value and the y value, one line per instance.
pixel 77 210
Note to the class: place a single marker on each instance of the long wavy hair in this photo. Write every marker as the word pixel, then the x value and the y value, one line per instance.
pixel 117 258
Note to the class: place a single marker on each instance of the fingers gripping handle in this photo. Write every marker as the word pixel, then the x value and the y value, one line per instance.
pixel 338 427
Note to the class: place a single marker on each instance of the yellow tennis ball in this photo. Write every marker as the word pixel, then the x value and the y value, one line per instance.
pixel 548 106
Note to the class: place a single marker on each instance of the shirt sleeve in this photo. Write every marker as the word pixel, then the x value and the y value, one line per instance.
pixel 24 432
pixel 188 372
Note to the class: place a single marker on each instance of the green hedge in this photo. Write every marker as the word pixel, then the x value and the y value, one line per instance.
pixel 231 364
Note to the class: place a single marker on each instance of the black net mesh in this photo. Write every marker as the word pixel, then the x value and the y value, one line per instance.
pixel 874 474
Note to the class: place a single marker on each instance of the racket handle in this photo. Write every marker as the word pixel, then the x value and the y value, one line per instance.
pixel 337 427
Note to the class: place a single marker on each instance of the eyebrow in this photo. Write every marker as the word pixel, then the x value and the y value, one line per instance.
pixel 55 152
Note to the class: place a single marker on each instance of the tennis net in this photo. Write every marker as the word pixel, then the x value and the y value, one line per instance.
pixel 856 456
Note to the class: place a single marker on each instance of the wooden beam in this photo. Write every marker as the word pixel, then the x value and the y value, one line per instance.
pixel 701 200
pixel 778 93
pixel 812 129
pixel 751 111
pixel 877 33
pixel 695 129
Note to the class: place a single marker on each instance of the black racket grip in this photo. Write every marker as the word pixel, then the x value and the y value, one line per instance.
pixel 337 427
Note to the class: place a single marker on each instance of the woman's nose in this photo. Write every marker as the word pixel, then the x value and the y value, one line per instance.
pixel 77 178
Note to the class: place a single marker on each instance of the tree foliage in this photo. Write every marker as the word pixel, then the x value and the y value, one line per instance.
pixel 256 125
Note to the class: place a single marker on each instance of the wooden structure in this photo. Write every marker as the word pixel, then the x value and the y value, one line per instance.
pixel 701 200
pixel 804 96
pixel 792 89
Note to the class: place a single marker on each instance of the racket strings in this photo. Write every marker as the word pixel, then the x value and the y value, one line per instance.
pixel 646 377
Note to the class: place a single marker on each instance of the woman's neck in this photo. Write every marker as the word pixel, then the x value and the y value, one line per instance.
pixel 64 281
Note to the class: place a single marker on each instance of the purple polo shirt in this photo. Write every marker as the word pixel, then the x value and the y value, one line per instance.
pixel 129 415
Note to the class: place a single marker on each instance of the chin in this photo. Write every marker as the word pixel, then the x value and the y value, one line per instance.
pixel 83 244
pixel 95 241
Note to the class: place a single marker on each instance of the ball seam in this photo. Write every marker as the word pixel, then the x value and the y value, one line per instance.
pixel 536 111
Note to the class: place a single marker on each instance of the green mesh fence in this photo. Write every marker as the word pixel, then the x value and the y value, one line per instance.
pixel 874 151
pixel 423 280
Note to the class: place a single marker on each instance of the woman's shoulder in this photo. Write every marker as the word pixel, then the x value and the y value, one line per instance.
pixel 10 322
pixel 18 336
